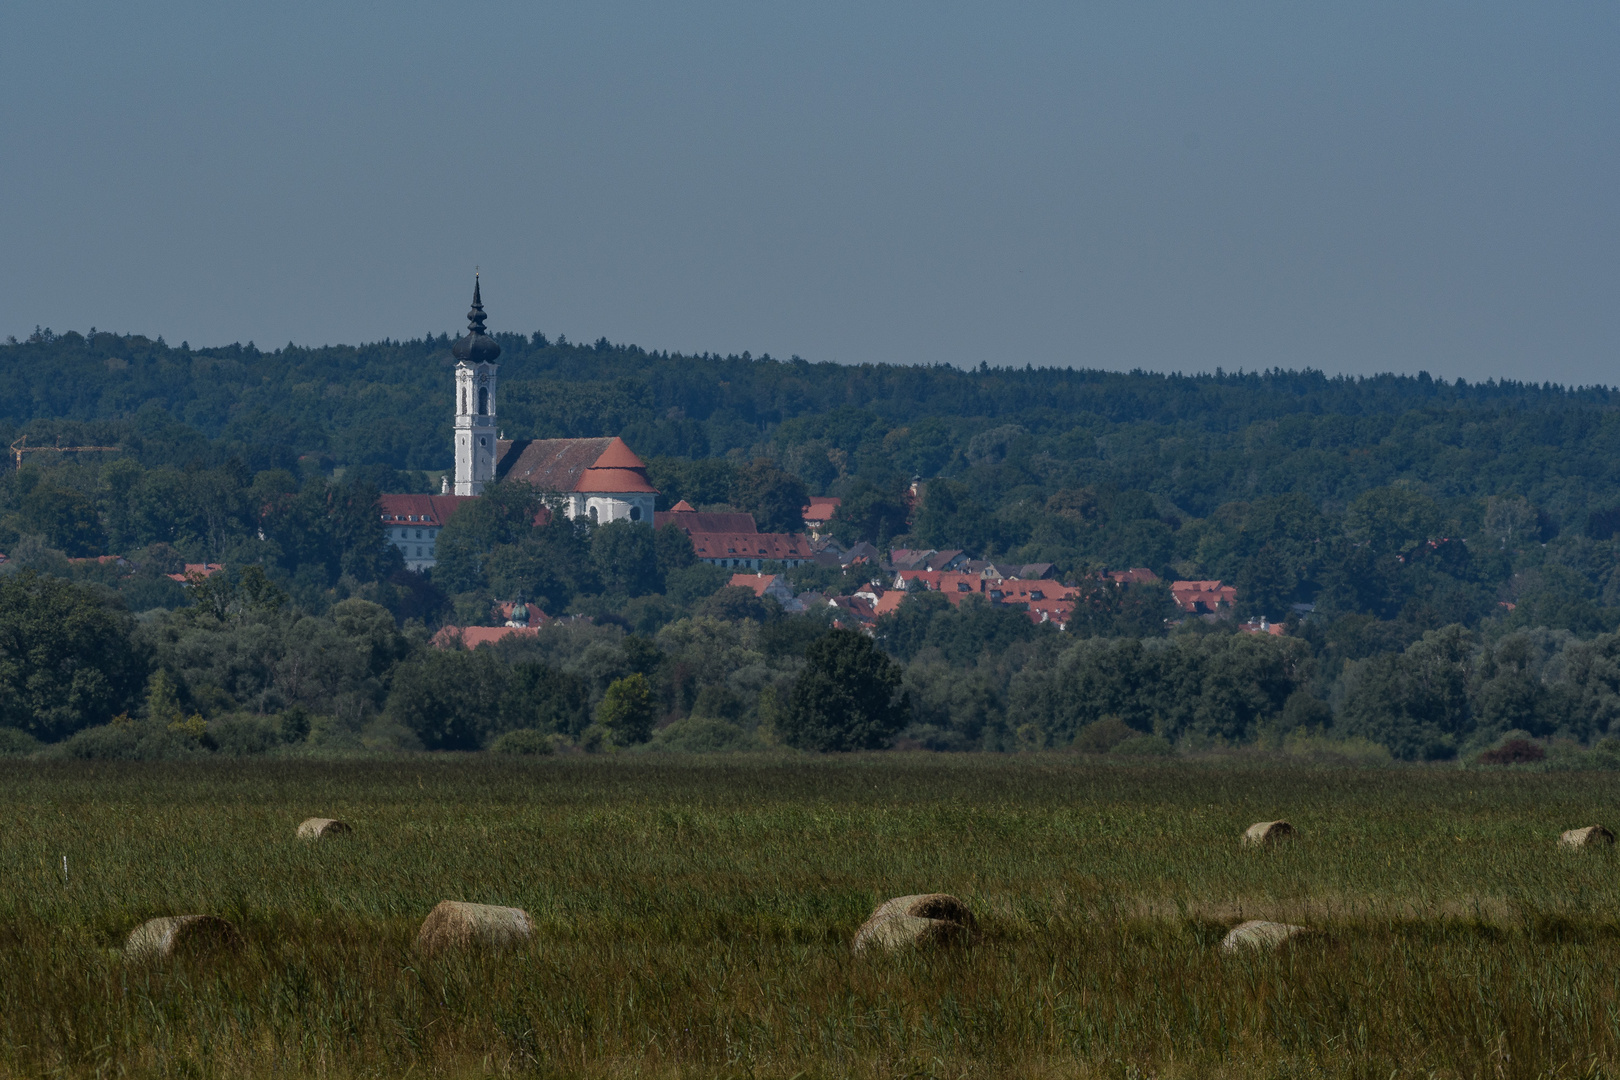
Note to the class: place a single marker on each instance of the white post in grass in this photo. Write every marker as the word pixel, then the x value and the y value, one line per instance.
pixel 64 870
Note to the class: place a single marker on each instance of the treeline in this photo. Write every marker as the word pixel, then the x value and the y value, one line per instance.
pixel 241 670
pixel 1195 441
pixel 1386 522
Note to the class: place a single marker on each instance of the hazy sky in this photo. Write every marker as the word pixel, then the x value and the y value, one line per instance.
pixel 1355 187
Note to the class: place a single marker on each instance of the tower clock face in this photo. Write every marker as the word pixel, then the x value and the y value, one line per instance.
pixel 483 379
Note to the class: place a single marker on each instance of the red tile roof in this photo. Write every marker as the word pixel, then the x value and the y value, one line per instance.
pixel 473 636
pixel 1021 590
pixel 1202 595
pixel 694 522
pixel 888 602
pixel 607 466
pixel 420 509
pixel 758 582
pixel 618 455
pixel 822 508
pixel 194 571
pixel 750 545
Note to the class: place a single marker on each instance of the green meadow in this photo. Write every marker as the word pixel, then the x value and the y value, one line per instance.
pixel 693 918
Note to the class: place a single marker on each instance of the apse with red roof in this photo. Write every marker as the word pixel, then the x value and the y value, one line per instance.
pixel 599 479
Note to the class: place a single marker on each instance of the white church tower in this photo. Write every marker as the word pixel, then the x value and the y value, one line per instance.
pixel 475 402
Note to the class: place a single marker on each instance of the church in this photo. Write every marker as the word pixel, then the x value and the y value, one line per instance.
pixel 599 479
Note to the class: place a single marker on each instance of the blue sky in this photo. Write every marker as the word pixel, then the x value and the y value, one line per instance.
pixel 1375 187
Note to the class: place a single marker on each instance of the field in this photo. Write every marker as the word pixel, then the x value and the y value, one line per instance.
pixel 693 919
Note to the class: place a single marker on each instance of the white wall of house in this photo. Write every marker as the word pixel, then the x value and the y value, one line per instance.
pixel 415 542
pixel 602 507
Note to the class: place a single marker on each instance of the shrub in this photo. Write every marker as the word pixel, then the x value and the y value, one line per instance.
pixel 628 710
pixel 131 740
pixel 701 735
pixel 1513 752
pixel 1104 735
pixel 1144 746
pixel 523 742
pixel 245 734
pixel 13 741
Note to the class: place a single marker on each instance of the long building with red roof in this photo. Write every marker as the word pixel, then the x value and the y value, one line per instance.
pixel 733 540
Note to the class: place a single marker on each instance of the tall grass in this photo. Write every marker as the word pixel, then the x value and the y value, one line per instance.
pixel 693 918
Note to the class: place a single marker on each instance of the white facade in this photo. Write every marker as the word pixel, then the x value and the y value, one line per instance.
pixel 475 426
pixel 601 507
pixel 415 541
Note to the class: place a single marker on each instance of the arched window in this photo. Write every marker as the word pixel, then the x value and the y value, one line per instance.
pixel 635 513
pixel 593 515
pixel 483 401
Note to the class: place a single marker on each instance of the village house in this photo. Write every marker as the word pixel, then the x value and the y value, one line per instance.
pixel 195 572
pixel 774 586
pixel 1203 597
pixel 412 523
pixel 733 541
pixel 1137 575
pixel 522 619
pixel 819 514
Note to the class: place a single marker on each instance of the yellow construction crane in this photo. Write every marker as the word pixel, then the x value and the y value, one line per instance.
pixel 21 447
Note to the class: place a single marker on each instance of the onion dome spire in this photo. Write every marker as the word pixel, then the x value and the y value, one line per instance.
pixel 477 347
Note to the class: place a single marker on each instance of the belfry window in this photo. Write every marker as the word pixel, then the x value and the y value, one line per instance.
pixel 483 401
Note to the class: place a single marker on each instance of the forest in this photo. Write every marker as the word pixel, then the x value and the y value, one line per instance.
pixel 1441 554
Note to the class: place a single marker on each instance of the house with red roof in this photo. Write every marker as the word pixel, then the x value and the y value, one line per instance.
pixel 470 637
pixel 195 572
pixel 774 586
pixel 819 514
pixel 887 603
pixel 412 522
pixel 697 521
pixel 733 540
pixel 1203 597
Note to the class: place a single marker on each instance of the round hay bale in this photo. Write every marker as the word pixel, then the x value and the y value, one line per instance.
pixel 177 935
pixel 1259 934
pixel 455 925
pixel 1590 836
pixel 1267 833
pixel 317 827
pixel 920 919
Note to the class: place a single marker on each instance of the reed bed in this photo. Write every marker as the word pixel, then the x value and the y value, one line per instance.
pixel 693 918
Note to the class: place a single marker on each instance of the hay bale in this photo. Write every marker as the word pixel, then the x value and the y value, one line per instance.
pixel 920 919
pixel 1590 836
pixel 1259 934
pixel 1267 833
pixel 181 935
pixel 317 827
pixel 455 925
